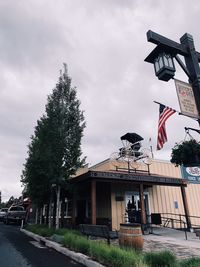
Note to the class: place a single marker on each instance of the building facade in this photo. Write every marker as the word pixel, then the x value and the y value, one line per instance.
pixel 112 193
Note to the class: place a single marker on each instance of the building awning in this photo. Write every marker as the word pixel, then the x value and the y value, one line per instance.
pixel 116 176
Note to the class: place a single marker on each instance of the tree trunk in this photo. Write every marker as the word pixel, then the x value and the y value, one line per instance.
pixel 50 213
pixel 57 206
pixel 47 215
pixel 36 216
pixel 41 215
pixel 63 206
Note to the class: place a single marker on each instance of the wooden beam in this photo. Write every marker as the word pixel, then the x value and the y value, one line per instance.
pixel 143 213
pixel 158 39
pixel 93 201
pixel 185 205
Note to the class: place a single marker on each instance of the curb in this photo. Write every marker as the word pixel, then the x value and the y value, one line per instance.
pixel 78 257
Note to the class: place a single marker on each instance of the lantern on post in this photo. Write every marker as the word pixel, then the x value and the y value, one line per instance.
pixel 163 63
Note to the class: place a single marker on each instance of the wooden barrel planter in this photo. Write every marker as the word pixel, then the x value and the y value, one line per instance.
pixel 130 235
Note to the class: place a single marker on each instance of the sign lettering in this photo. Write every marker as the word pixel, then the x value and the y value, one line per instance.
pixel 186 99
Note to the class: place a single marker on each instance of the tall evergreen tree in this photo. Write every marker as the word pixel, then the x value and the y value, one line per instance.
pixel 55 149
pixel 35 175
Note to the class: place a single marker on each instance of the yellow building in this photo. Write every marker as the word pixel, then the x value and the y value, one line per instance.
pixel 104 192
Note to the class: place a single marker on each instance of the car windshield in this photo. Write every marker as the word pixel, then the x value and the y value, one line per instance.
pixel 4 210
pixel 16 208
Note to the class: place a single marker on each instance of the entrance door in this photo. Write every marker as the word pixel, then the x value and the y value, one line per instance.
pixel 133 208
pixel 81 211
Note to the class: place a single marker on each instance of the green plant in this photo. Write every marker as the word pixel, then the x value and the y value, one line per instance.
pixel 186 153
pixel 63 231
pixel 77 243
pixel 111 256
pixel 42 230
pixel 194 262
pixel 160 259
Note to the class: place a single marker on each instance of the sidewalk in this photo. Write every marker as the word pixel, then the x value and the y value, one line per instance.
pixel 173 240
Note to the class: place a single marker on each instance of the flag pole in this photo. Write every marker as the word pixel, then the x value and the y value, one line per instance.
pixel 151 148
pixel 166 106
pixel 179 113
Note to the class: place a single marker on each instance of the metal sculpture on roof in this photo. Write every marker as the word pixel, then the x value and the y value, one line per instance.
pixel 132 150
pixel 132 137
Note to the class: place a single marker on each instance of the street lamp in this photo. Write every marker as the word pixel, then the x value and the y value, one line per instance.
pixel 162 58
pixel 167 50
pixel 163 63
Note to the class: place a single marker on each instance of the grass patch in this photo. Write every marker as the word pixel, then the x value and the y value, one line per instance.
pixel 63 231
pixel 194 262
pixel 40 230
pixel 161 259
pixel 112 256
pixel 77 243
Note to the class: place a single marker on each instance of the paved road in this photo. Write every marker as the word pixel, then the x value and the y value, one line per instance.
pixel 19 250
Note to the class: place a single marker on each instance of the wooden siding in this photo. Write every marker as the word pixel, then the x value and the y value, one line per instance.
pixel 103 201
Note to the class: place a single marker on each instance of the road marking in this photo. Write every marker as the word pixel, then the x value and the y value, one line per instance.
pixel 37 244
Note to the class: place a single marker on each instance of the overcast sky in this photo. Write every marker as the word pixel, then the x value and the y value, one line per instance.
pixel 104 45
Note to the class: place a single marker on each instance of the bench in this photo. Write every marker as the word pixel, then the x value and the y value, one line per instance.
pixel 98 231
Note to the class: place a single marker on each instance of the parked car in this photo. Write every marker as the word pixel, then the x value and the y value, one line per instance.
pixel 3 212
pixel 15 214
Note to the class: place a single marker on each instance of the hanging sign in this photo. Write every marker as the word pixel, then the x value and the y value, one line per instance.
pixel 191 174
pixel 186 99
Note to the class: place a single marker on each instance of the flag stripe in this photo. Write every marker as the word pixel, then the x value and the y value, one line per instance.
pixel 164 114
pixel 167 112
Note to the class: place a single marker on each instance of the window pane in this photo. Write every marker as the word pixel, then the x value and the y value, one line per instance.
pixel 170 62
pixel 156 66
pixel 161 62
pixel 165 61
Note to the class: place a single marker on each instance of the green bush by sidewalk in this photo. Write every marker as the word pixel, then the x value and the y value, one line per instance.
pixel 40 230
pixel 160 259
pixel 194 262
pixel 113 256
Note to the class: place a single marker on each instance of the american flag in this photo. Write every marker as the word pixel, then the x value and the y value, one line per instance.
pixel 164 114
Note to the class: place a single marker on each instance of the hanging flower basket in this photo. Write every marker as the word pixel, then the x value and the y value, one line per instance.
pixel 186 153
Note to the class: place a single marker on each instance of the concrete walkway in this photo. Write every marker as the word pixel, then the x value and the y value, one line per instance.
pixel 173 240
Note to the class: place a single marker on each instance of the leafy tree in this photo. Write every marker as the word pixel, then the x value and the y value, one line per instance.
pixel 54 152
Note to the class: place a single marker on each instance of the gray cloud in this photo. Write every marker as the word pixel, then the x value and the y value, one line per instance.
pixel 104 44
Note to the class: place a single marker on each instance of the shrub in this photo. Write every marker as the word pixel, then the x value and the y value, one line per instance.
pixel 160 259
pixel 194 262
pixel 77 243
pixel 110 256
pixel 42 230
pixel 64 231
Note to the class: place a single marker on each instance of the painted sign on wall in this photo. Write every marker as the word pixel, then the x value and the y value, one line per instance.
pixel 191 174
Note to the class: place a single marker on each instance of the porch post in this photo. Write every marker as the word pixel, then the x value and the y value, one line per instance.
pixel 73 208
pixel 185 205
pixel 93 201
pixel 143 215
